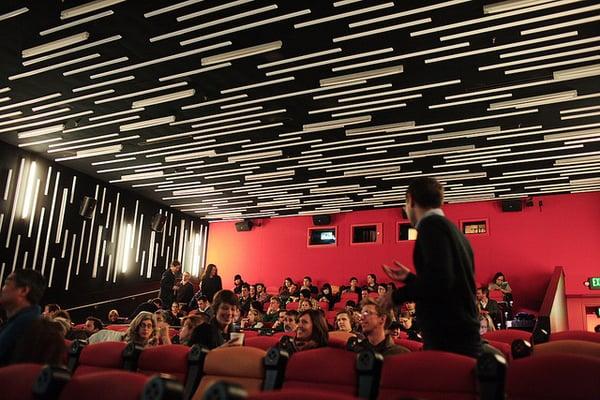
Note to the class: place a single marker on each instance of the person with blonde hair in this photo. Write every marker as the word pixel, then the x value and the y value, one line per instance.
pixel 142 330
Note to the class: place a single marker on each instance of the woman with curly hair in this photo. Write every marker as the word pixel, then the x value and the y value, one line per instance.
pixel 142 330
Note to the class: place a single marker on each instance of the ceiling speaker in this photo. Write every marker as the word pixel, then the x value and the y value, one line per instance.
pixel 88 205
pixel 321 219
pixel 158 222
pixel 512 205
pixel 243 226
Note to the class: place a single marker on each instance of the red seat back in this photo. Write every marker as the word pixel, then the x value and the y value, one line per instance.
pixel 261 342
pixel 347 297
pixel 503 347
pixel 330 317
pixel 167 359
pixel 299 394
pixel 432 375
pixel 248 333
pixel 17 380
pixel 412 345
pixel 576 335
pixel 292 306
pixel 266 306
pixel 496 295
pixel 107 385
pixel 326 368
pixel 100 357
pixel 373 295
pixel 118 328
pixel 552 377
pixel 324 305
pixel 507 335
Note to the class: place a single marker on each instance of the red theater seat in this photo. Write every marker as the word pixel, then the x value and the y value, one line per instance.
pixel 300 394
pixel 118 328
pixel 292 306
pixel 496 295
pixel 248 333
pixel 323 369
pixel 553 377
pixel 374 295
pixel 344 298
pixel 280 334
pixel 576 335
pixel 261 342
pixel 330 317
pixel 107 385
pixel 580 347
pixel 412 345
pixel 339 339
pixel 432 375
pixel 17 380
pixel 503 347
pixel 167 359
pixel 507 335
pixel 100 357
pixel 324 305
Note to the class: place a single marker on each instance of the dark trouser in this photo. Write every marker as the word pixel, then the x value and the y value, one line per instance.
pixel 472 348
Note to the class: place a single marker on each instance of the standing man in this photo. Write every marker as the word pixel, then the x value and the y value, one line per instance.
pixel 20 296
pixel 444 285
pixel 185 289
pixel 167 283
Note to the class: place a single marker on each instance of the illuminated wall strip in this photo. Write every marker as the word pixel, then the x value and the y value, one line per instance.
pixel 50 217
pixel 70 266
pixel 381 30
pixel 137 250
pixel 150 255
pixel 33 207
pixel 95 66
pixel 170 8
pixel 87 8
pixel 102 254
pixel 80 246
pixel 258 84
pixel 7 186
pixel 30 101
pixel 15 202
pixel 135 213
pixel 15 128
pixel 51 277
pixel 61 214
pixel 343 15
pixel 575 22
pixel 102 201
pixel 114 223
pixel 89 246
pixel 142 263
pixel 64 249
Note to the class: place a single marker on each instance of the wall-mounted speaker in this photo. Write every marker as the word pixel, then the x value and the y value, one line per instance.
pixel 321 219
pixel 88 205
pixel 158 222
pixel 511 205
pixel 244 226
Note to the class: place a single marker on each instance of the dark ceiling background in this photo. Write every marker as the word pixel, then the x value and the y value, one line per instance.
pixel 500 161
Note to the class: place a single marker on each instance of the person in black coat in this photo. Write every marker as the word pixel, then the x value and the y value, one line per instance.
pixel 185 289
pixel 488 306
pixel 167 282
pixel 444 285
pixel 210 282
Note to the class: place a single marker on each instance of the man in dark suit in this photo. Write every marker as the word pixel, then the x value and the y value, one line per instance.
pixel 167 283
pixel 488 306
pixel 444 285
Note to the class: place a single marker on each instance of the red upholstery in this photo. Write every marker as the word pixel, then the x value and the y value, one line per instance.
pixel 496 295
pixel 374 295
pixel 17 380
pixel 507 335
pixel 429 375
pixel 299 394
pixel 327 369
pixel 280 334
pixel 108 385
pixel 552 377
pixel 412 345
pixel 503 347
pixel 576 335
pixel 402 335
pixel 249 333
pixel 324 305
pixel 118 328
pixel 166 359
pixel 330 317
pixel 100 357
pixel 261 342
pixel 292 306
pixel 347 297
pixel 266 306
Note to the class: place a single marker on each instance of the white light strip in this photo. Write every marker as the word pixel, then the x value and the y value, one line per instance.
pixel 87 8
pixel 80 146
pixel 142 176
pixel 398 91
pixel 580 109
pixel 360 76
pixel 52 67
pixel 381 30
pixel 578 72
pixel 511 5
pixel 104 171
pixel 15 201
pixel 212 9
pixel 334 124
pixel 393 106
pixel 246 26
pixel 268 175
pixel 77 22
pixel 162 148
pixel 72 50
pixel 551 47
pixel 466 133
pixel 106 83
pixel 9 115
pixel 539 58
pixel 576 22
pixel 93 152
pixel 39 142
pixel 161 59
pixel 54 45
pixel 299 58
pixel 115 114
pixel 3 17
pixel 323 110
pixel 343 15
pixel 227 133
pixel 115 121
pixel 170 8
pixel 141 92
pixel 592 114
pixel 535 159
pixel 194 72
pixel 71 100
pixel 556 64
pixel 147 123
pixel 40 131
pixel 273 112
pixel 259 84
pixel 346 147
pixel 469 93
pixel 534 100
pixel 164 98
pixel 113 161
pixel 242 53
pixel 194 132
pixel 477 100
pixel 212 22
pixel 369 153
pixel 95 66
pixel 35 116
pixel 191 156
pixel 217 101
pixel 30 101
pixel 365 89
pixel 195 148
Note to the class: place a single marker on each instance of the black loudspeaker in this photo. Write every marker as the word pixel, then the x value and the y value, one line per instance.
pixel 88 205
pixel 512 205
pixel 243 226
pixel 158 222
pixel 321 219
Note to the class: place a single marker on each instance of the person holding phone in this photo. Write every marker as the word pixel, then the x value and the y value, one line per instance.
pixel 218 331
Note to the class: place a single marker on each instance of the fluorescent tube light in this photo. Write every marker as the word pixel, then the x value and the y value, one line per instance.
pixel 54 45
pixel 143 175
pixel 147 123
pixel 190 156
pixel 241 53
pixel 41 131
pixel 87 8
pixel 534 100
pixel 443 150
pixel 269 175
pixel 576 73
pixel 256 156
pixel 511 5
pixel 359 76
pixel 334 124
pixel 164 98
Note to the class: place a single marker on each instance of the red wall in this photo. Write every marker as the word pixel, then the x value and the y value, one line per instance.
pixel 525 245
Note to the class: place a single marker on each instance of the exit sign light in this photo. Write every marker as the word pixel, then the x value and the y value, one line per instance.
pixel 594 283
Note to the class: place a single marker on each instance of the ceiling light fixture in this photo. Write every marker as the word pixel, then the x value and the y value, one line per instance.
pixel 87 8
pixel 242 53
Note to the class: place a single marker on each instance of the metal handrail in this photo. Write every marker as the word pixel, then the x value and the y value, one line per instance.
pixel 110 301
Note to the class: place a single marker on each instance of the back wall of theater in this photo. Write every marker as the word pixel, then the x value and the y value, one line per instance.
pixel 525 246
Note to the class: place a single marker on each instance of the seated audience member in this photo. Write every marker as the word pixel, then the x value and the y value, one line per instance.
pixel 312 330
pixel 273 310
pixel 306 295
pixel 284 290
pixel 50 310
pixel 20 297
pixel 187 327
pixel 253 320
pixel 381 289
pixel 364 292
pixel 237 284
pixel 149 306
pixel 307 284
pixel 217 331
pixel 162 327
pixel 290 323
pixel 391 287
pixel 142 330
pixel 261 293
pixel 499 283
pixel 93 325
pixel 278 325
pixel 41 343
pixel 410 307
pixel 343 322
pixel 374 322
pixel 395 329
pixel 245 299
pixel 356 318
pixel 326 294
pixel 113 317
pixel 305 304
pixel 184 290
pixel 173 315
pixel 66 329
pixel 371 283
pixel 252 292
pixel 204 306
pixel 488 306
pixel 352 287
pixel 485 324
pixel 350 306
pixel 63 314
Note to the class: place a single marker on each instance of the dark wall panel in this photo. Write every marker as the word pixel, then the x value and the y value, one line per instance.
pixel 115 253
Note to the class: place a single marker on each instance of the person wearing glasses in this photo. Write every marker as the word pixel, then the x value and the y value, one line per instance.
pixel 375 319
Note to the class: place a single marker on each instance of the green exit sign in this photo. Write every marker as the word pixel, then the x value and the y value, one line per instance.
pixel 594 283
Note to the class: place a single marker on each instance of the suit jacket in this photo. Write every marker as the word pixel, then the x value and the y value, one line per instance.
pixel 492 308
pixel 443 288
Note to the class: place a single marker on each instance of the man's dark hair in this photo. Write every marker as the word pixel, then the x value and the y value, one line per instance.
pixel 277 299
pixel 224 297
pixel 353 279
pixel 245 285
pixel 485 290
pixel 305 293
pixel 53 307
pixel 382 309
pixel 97 323
pixel 292 313
pixel 175 263
pixel 202 298
pixel 308 278
pixel 426 192
pixel 374 277
pixel 33 280
pixel 63 314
